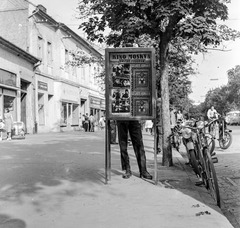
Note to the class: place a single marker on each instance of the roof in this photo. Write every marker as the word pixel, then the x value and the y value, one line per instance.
pixel 17 51
pixel 41 12
pixel 13 5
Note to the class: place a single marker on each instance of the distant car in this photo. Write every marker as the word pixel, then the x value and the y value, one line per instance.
pixel 233 118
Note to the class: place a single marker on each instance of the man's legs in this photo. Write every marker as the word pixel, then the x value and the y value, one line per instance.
pixel 137 141
pixel 122 127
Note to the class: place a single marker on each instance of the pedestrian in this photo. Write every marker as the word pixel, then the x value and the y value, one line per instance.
pixel 102 122
pixel 91 123
pixel 2 125
pixel 172 117
pixel 148 126
pixel 86 122
pixel 8 120
pixel 212 114
pixel 179 116
pixel 134 129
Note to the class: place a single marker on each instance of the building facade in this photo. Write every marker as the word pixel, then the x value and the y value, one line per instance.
pixel 63 92
pixel 17 88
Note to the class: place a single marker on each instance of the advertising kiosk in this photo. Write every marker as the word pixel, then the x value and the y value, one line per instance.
pixel 130 91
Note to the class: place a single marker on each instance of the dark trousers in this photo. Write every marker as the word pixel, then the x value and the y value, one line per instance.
pixel 86 126
pixel 134 129
pixel 113 129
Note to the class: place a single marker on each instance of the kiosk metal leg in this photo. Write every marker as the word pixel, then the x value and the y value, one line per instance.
pixel 155 153
pixel 107 152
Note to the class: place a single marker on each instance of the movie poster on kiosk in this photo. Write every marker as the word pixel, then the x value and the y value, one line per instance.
pixel 130 83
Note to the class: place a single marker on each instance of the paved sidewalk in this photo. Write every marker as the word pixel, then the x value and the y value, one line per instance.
pixel 57 180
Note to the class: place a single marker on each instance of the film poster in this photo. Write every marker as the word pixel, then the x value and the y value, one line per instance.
pixel 130 83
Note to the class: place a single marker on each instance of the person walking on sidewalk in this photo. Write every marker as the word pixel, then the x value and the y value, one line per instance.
pixel 134 129
pixel 8 119
pixel 86 123
pixel 91 122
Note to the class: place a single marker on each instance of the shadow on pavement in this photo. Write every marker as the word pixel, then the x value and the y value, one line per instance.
pixel 8 222
pixel 48 168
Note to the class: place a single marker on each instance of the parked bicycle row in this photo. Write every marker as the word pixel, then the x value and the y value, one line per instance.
pixel 199 138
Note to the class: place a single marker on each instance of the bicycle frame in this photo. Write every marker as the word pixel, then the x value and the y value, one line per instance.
pixel 205 163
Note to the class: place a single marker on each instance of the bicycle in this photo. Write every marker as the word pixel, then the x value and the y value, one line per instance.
pixel 224 135
pixel 175 136
pixel 206 169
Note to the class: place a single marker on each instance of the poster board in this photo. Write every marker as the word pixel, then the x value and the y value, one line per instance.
pixel 130 83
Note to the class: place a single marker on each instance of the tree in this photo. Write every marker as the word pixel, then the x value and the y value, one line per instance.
pixel 225 98
pixel 234 86
pixel 190 22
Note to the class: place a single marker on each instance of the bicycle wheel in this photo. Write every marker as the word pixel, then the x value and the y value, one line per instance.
pixel 177 142
pixel 210 142
pixel 193 161
pixel 212 182
pixel 226 141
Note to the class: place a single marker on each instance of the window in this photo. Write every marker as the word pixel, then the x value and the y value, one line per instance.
pixel 66 60
pixel 40 48
pixel 91 76
pixel 64 114
pixel 69 114
pixel 8 102
pixel 66 56
pixel 75 116
pixel 49 53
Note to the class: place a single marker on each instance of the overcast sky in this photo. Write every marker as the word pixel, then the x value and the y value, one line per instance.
pixel 212 67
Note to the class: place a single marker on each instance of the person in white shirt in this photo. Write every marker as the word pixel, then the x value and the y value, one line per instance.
pixel 179 116
pixel 212 113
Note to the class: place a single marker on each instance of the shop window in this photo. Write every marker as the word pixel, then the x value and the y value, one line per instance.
pixel 41 114
pixel 8 102
pixel 69 110
pixel 24 85
pixel 64 114
pixel 75 116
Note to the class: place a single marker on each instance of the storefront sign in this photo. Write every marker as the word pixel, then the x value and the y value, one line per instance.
pixel 95 102
pixel 102 104
pixel 8 78
pixel 130 83
pixel 42 86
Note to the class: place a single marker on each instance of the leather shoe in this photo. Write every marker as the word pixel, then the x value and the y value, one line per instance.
pixel 127 174
pixel 146 175
pixel 199 183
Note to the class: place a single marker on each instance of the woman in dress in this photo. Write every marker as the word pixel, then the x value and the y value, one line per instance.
pixel 8 120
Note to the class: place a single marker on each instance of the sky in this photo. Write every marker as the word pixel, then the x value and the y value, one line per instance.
pixel 212 67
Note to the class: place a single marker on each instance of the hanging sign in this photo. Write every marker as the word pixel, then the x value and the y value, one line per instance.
pixel 130 83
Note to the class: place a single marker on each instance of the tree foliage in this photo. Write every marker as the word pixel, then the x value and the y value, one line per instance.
pixel 191 23
pixel 225 98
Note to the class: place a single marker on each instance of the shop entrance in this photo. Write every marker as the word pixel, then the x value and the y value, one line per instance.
pixel 24 86
pixel 24 109
pixel 83 108
pixel 9 103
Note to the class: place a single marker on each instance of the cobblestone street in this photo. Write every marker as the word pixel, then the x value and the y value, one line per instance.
pixel 228 171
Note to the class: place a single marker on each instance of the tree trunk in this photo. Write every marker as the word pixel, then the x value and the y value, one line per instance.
pixel 166 130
